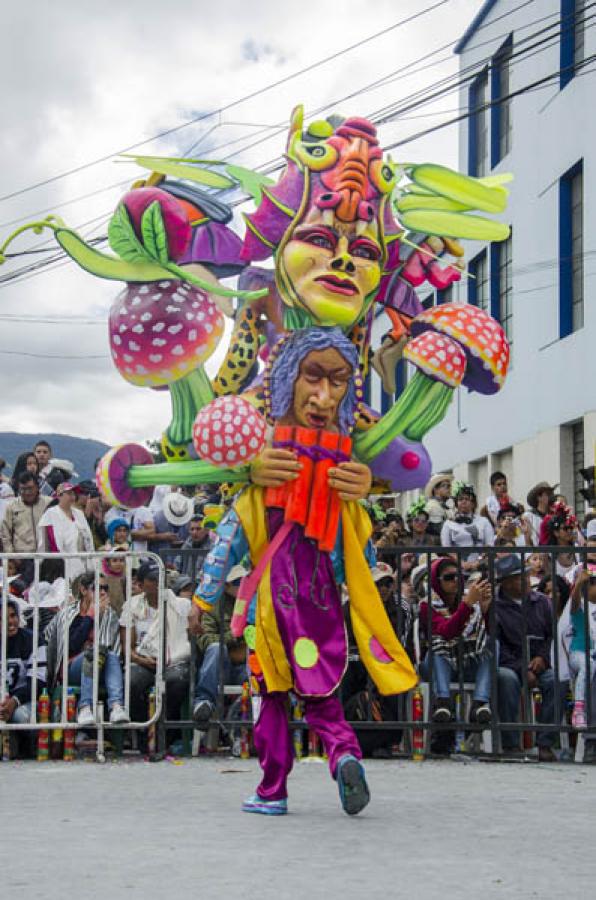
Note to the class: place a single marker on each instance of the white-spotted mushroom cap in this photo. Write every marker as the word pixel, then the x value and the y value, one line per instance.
pixel 438 357
pixel 480 337
pixel 229 431
pixel 161 331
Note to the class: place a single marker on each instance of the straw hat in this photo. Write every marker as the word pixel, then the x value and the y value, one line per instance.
pixel 434 481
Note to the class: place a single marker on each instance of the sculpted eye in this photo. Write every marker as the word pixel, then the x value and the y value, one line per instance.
pixel 317 152
pixel 365 250
pixel 318 238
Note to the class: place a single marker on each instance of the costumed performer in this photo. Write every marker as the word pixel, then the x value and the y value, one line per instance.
pixel 306 535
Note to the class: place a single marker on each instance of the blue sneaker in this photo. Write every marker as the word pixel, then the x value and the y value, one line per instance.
pixel 353 789
pixel 256 804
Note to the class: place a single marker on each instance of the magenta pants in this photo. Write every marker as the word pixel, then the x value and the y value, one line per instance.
pixel 273 739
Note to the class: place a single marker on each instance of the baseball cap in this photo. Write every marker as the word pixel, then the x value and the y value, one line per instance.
pixel 381 570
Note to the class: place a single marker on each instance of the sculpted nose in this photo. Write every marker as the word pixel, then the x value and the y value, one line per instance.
pixel 343 263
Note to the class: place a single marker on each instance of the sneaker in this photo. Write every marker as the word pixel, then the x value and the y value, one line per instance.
pixel 201 713
pixel 256 804
pixel 118 715
pixel 85 716
pixel 481 712
pixel 353 789
pixel 578 716
pixel 442 710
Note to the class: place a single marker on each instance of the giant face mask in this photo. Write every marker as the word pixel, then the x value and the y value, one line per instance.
pixel 331 268
pixel 327 222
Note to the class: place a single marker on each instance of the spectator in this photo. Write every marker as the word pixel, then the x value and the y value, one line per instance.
pixel 49 593
pixel 439 503
pixel 184 586
pixel 114 572
pixel 393 533
pixel 64 529
pixel 7 495
pixel 3 477
pixel 418 522
pixel 197 545
pixel 537 568
pixel 458 640
pixel 512 528
pixel 19 528
pixel 559 528
pixel 540 499
pixel 61 470
pixel 79 617
pixel 171 522
pixel 26 462
pixel 142 529
pixel 559 593
pixel 574 642
pixel 43 453
pixel 499 498
pixel 140 614
pixel 361 700
pixel 467 529
pixel 517 617
pixel 88 501
pixel 211 649
pixel 16 699
pixel 118 534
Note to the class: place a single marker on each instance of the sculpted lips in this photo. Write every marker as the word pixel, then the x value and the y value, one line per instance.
pixel 338 285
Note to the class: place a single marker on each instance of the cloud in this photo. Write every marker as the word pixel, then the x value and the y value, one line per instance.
pixel 88 79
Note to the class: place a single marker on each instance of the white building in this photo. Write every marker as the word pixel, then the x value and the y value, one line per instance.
pixel 539 284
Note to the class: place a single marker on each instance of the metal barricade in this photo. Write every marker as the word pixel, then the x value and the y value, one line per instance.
pixel 81 563
pixel 527 722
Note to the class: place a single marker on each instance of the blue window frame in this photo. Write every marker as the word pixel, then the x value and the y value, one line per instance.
pixel 572 38
pixel 401 377
pixel 571 251
pixel 500 112
pixel 501 285
pixel 478 125
pixel 478 284
pixel 445 296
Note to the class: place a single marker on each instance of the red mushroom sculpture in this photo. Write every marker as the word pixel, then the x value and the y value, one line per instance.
pixel 160 335
pixel 481 338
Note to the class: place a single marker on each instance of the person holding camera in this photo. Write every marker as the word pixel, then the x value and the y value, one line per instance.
pixel 458 638
pixel 81 623
pixel 512 529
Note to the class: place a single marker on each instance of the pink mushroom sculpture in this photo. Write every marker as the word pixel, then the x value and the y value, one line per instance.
pixel 161 333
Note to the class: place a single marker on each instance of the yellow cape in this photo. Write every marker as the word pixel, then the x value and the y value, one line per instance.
pixel 380 651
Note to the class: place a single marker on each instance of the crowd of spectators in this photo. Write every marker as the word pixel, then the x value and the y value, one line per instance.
pixel 462 613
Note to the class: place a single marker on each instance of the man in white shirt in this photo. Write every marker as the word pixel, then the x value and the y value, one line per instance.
pixel 140 619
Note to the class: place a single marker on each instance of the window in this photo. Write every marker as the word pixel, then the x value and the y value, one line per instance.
pixel 501 127
pixel 478 126
pixel 501 285
pixel 572 38
pixel 445 295
pixel 577 445
pixel 571 251
pixel 478 282
pixel 401 377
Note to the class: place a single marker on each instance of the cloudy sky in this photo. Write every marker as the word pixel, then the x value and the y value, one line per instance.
pixel 82 81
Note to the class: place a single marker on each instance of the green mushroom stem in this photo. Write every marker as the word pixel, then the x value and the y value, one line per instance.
pixel 189 395
pixel 420 407
pixel 191 472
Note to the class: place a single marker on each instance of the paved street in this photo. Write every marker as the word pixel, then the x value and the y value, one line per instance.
pixel 173 829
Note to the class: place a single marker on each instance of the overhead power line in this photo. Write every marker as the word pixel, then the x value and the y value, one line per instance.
pixel 273 131
pixel 231 105
pixel 60 258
